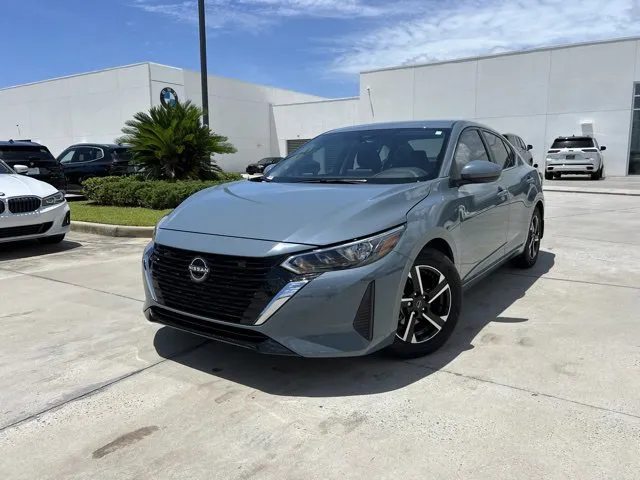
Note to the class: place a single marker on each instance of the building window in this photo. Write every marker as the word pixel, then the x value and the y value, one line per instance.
pixel 634 150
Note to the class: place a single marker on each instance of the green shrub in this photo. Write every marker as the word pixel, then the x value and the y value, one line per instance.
pixel 156 194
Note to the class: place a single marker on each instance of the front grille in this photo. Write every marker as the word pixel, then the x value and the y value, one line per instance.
pixel 24 204
pixel 236 290
pixel 11 232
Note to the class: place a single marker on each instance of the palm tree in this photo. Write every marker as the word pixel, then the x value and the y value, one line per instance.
pixel 170 142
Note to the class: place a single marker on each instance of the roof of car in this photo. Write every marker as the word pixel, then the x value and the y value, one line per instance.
pixel 407 124
pixel 103 145
pixel 575 137
pixel 23 143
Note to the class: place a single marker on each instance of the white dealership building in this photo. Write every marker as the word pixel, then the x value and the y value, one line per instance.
pixel 539 94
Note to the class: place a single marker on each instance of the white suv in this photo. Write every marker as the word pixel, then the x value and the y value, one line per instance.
pixel 574 155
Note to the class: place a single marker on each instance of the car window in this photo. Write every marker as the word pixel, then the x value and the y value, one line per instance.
pixel 577 142
pixel 520 143
pixel 87 154
pixel 470 147
pixel 67 157
pixel 393 155
pixel 502 154
pixel 14 153
pixel 5 169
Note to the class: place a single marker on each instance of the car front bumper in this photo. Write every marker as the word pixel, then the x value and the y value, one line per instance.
pixel 337 314
pixel 54 220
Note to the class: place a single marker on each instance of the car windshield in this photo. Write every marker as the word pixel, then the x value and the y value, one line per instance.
pixel 266 161
pixel 578 142
pixel 397 155
pixel 23 152
pixel 5 169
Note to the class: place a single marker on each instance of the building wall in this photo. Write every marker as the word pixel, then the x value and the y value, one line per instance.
pixel 306 120
pixel 538 95
pixel 241 111
pixel 83 108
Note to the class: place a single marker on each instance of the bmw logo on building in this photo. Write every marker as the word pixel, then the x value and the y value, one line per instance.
pixel 168 97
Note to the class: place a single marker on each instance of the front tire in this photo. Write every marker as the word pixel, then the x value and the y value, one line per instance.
pixel 529 257
pixel 53 239
pixel 430 306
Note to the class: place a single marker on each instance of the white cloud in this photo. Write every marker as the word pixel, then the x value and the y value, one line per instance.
pixel 248 14
pixel 386 33
pixel 465 28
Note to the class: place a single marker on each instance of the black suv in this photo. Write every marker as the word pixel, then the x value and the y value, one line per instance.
pixel 86 160
pixel 41 163
pixel 260 165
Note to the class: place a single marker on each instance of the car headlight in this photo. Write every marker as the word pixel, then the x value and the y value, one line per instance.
pixel 349 255
pixel 54 199
pixel 155 228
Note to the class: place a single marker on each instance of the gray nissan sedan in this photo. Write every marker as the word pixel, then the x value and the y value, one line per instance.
pixel 361 239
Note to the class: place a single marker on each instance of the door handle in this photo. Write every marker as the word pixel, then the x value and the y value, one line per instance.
pixel 503 193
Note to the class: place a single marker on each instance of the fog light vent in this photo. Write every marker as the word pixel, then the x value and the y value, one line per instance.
pixel 67 219
pixel 363 322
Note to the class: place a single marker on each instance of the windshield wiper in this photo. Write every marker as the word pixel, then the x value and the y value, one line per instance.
pixel 333 180
pixel 260 179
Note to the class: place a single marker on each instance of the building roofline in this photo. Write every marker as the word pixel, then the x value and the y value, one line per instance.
pixel 505 54
pixel 75 75
pixel 325 100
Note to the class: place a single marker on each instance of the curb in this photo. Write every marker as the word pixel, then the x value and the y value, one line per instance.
pixel 111 230
pixel 599 191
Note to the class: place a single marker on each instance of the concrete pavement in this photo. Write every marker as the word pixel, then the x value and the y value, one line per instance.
pixel 539 381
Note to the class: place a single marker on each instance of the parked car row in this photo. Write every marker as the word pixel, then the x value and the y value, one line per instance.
pixel 72 167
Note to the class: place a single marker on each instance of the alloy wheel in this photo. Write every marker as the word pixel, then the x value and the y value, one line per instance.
pixel 426 305
pixel 534 236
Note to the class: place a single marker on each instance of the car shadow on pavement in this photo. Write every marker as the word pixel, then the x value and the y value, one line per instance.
pixel 32 248
pixel 377 373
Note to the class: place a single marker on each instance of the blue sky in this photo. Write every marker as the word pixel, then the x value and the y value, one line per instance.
pixel 315 46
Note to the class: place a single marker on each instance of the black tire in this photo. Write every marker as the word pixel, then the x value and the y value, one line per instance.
pixel 51 240
pixel 597 175
pixel 442 300
pixel 548 176
pixel 529 257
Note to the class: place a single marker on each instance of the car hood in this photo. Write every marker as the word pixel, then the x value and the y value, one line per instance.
pixel 20 185
pixel 303 213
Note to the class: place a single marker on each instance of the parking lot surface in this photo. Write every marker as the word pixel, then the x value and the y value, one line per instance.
pixel 540 380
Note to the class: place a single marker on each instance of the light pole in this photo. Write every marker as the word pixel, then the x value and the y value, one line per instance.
pixel 203 63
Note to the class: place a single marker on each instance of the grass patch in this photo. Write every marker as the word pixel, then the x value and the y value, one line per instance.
pixel 135 216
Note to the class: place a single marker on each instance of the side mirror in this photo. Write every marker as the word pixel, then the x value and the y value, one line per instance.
pixel 529 147
pixel 21 169
pixel 268 168
pixel 480 171
pixel 603 148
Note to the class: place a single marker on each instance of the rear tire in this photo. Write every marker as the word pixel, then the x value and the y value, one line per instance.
pixel 529 257
pixel 597 175
pixel 429 308
pixel 51 240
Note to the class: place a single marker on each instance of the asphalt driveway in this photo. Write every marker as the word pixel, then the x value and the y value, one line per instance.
pixel 541 380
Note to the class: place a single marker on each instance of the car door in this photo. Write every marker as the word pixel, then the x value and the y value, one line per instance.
pixel 517 179
pixel 66 161
pixel 483 211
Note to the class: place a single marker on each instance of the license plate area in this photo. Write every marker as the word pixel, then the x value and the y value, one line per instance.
pixel 570 157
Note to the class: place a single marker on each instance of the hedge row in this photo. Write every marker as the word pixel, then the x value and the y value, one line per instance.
pixel 156 194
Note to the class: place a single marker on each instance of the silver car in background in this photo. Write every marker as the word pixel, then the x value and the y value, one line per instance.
pixel 523 148
pixel 575 155
pixel 361 239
